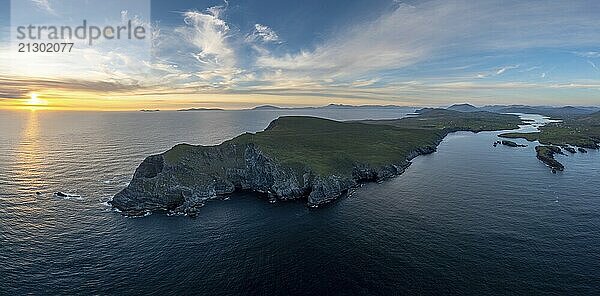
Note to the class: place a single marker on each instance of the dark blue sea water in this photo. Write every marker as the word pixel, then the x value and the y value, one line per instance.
pixel 469 219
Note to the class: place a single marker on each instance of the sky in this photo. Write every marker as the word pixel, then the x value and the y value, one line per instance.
pixel 238 54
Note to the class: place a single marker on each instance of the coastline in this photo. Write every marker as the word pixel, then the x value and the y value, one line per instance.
pixel 158 185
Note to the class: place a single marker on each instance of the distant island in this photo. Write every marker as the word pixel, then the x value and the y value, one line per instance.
pixel 200 109
pixel 295 157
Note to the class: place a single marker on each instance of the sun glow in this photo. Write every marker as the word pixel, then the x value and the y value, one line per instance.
pixel 36 101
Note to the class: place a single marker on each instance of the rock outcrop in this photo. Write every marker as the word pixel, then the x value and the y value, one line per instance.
pixel 512 144
pixel 546 155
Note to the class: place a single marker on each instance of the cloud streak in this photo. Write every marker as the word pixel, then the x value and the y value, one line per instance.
pixel 506 68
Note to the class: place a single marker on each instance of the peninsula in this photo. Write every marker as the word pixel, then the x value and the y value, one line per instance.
pixel 305 158
pixel 581 131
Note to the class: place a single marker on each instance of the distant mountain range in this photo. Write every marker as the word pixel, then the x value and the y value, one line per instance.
pixel 326 107
pixel 550 111
pixel 332 106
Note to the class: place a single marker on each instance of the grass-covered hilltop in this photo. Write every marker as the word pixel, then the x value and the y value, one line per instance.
pixel 313 159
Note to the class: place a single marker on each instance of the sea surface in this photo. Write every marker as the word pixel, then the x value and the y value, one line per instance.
pixel 469 219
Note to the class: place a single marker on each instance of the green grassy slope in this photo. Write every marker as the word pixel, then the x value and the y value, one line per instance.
pixel 331 147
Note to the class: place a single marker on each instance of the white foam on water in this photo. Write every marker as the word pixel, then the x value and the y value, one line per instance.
pixel 146 214
pixel 67 196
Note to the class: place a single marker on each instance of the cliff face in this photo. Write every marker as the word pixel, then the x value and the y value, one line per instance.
pixel 208 172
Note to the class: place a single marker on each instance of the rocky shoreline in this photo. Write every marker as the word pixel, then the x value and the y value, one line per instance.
pixel 156 185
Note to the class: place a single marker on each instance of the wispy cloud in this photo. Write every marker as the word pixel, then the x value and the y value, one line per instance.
pixel 506 68
pixel 44 5
pixel 209 33
pixel 435 29
pixel 19 87
pixel 588 54
pixel 263 33
pixel 530 69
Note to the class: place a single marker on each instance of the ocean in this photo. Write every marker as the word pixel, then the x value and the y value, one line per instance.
pixel 469 219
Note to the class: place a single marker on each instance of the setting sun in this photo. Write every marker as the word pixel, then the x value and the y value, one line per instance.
pixel 36 101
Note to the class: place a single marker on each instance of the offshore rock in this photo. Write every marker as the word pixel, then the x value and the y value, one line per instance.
pixel 546 155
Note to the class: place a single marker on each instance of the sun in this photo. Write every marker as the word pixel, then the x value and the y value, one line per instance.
pixel 35 100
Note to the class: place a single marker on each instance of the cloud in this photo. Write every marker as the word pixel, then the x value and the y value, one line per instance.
pixel 383 43
pixel 20 87
pixel 502 70
pixel 25 84
pixel 44 5
pixel 209 33
pixel 372 59
pixel 588 54
pixel 530 69
pixel 263 33
pixel 438 29
pixel 364 82
pixel 197 55
pixel 506 68
pixel 593 65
